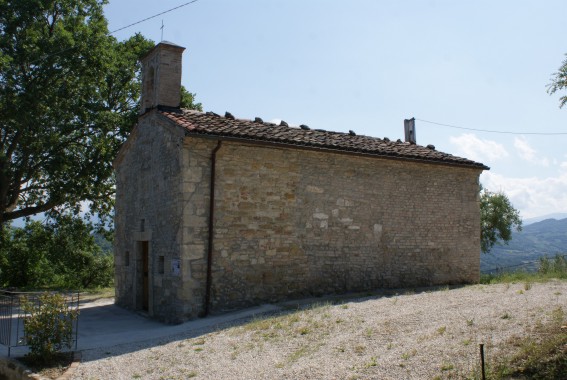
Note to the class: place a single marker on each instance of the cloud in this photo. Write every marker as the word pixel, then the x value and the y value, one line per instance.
pixel 532 196
pixel 473 148
pixel 527 153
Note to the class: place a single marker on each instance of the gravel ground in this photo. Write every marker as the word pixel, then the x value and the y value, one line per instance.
pixel 419 335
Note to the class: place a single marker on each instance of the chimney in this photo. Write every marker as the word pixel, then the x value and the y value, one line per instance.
pixel 161 76
pixel 409 129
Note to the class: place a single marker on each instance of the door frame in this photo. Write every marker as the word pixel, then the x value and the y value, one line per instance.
pixel 143 279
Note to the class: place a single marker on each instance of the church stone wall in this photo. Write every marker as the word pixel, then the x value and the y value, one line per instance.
pixel 292 223
pixel 287 223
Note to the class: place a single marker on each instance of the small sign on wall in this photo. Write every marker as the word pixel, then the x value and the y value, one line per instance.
pixel 175 267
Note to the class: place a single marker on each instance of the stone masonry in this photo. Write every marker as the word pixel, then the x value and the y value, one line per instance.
pixel 291 223
pixel 148 209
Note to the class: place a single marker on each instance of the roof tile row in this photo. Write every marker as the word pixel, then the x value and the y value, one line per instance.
pixel 200 123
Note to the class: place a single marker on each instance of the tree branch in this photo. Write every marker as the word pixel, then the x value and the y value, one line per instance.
pixel 29 211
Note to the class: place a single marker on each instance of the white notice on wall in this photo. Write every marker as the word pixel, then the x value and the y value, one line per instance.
pixel 175 267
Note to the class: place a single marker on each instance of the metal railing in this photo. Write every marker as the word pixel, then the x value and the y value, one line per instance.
pixel 12 316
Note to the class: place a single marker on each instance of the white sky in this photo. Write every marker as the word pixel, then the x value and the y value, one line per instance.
pixel 368 65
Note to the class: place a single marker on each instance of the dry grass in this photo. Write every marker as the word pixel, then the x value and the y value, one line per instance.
pixel 542 354
pixel 96 294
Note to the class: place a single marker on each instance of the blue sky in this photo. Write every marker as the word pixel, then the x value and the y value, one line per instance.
pixel 368 65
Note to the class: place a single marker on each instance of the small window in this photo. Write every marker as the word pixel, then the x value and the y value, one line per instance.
pixel 161 265
pixel 127 258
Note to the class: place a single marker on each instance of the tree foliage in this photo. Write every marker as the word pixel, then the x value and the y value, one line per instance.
pixel 69 95
pixel 60 253
pixel 188 100
pixel 559 82
pixel 498 218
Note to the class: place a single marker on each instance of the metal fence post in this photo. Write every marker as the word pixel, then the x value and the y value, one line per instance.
pixel 482 361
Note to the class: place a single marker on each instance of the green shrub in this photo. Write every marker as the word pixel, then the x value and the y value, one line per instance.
pixel 48 326
pixel 555 267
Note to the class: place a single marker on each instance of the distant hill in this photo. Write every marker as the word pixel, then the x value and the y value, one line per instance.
pixel 547 237
pixel 558 216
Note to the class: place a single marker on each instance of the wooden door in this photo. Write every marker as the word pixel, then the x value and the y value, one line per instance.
pixel 145 278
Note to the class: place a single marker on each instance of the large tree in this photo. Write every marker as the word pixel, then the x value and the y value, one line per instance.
pixel 498 218
pixel 61 252
pixel 559 82
pixel 68 98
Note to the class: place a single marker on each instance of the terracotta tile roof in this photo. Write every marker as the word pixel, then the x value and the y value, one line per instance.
pixel 200 123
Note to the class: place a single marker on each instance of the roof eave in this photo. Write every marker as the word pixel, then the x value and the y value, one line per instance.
pixel 214 136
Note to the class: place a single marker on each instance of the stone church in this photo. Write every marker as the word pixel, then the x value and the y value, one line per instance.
pixel 215 213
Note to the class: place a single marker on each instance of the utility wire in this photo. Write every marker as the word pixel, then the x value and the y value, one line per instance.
pixel 491 131
pixel 154 16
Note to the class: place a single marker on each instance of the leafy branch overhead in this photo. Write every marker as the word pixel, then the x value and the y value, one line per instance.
pixel 69 96
pixel 559 82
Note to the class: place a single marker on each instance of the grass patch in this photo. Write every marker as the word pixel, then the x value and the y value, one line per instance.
pixel 315 319
pixel 271 327
pixel 549 269
pixel 509 277
pixel 541 356
pixel 298 354
pixel 98 293
pixel 303 351
pixel 372 363
pixel 409 354
pixel 359 349
pixel 447 367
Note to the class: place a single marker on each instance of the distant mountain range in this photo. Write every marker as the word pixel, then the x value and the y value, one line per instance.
pixel 558 216
pixel 541 238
